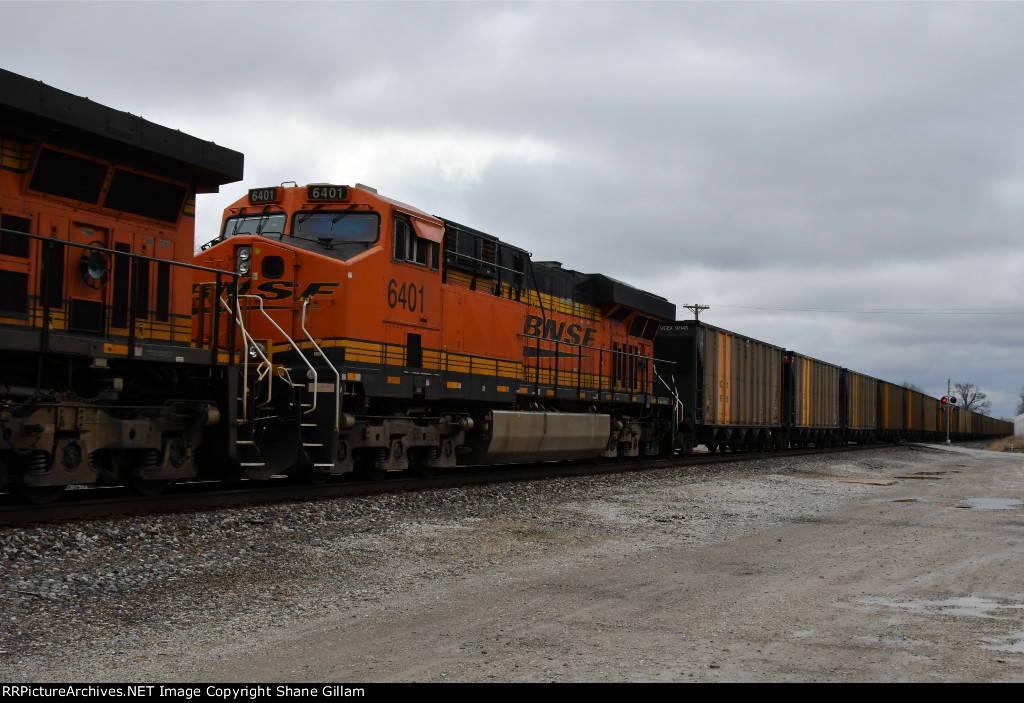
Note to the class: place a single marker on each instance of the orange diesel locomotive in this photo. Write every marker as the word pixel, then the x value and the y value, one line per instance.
pixel 377 338
pixel 100 380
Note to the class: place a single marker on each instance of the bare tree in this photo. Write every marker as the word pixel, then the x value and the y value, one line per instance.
pixel 1020 403
pixel 912 386
pixel 973 398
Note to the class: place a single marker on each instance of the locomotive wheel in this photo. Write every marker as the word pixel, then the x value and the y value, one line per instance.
pixel 366 466
pixel 418 465
pixel 423 471
pixel 371 473
pixel 37 495
pixel 147 487
pixel 306 474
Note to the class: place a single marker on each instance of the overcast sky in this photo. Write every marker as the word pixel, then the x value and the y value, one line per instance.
pixel 842 179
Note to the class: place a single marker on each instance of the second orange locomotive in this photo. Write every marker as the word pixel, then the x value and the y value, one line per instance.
pixel 377 338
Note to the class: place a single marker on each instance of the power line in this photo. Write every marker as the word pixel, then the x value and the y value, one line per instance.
pixel 887 311
pixel 696 310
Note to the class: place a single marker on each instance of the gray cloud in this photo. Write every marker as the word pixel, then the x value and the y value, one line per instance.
pixel 763 158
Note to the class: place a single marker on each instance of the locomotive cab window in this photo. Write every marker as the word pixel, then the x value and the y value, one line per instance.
pixel 413 249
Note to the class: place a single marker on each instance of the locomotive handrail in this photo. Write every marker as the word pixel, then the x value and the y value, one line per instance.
pixel 134 260
pixel 262 370
pixel 337 375
pixel 677 404
pixel 641 383
pixel 105 250
pixel 294 346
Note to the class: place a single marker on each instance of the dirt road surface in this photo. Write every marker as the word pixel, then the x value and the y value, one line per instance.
pixel 907 567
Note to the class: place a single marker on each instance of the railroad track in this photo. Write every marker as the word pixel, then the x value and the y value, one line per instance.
pixel 106 502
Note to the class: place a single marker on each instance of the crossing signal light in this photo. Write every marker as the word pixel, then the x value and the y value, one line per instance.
pixel 945 400
pixel 949 399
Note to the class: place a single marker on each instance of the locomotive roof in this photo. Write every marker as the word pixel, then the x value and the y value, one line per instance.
pixel 31 109
pixel 613 290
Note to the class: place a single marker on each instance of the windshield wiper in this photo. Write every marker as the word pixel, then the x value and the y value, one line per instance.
pixel 325 242
pixel 306 215
pixel 339 215
pixel 263 220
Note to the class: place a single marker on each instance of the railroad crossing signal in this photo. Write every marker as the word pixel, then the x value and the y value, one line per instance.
pixel 949 399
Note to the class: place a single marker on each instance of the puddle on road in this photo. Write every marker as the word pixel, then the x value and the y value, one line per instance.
pixel 1012 642
pixel 991 503
pixel 968 606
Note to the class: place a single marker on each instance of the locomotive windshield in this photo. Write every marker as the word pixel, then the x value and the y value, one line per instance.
pixel 266 225
pixel 341 235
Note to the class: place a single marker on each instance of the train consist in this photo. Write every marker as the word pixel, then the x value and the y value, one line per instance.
pixel 330 330
pixel 740 393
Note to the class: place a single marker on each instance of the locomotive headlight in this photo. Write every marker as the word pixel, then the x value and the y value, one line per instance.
pixel 258 350
pixel 243 263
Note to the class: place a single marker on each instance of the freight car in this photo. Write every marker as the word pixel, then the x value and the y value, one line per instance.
pixel 740 393
pixel 812 393
pixel 859 406
pixel 729 386
pixel 743 394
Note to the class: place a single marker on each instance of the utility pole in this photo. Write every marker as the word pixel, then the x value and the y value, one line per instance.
pixel 949 415
pixel 696 310
pixel 946 406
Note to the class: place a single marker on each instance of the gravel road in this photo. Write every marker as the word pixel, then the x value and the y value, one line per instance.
pixel 893 564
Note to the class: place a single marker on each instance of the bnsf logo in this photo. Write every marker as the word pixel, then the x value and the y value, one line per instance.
pixel 279 290
pixel 558 331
